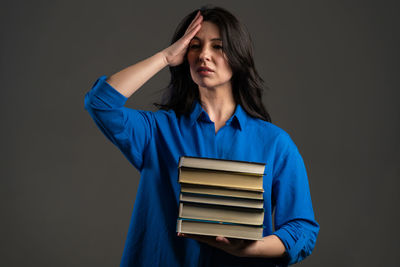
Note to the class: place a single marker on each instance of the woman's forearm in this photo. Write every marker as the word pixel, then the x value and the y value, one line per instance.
pixel 268 247
pixel 130 79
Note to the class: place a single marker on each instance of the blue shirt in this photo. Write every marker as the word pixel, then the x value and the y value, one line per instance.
pixel 153 143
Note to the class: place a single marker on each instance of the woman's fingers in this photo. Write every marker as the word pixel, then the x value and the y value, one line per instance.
pixel 193 28
pixel 174 54
pixel 223 240
pixel 189 35
pixel 191 23
pixel 194 22
pixel 184 41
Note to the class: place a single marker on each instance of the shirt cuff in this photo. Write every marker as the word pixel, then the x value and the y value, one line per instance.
pixel 102 93
pixel 293 246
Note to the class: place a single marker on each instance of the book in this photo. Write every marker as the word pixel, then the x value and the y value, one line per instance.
pixel 222 200
pixel 221 197
pixel 227 179
pixel 255 168
pixel 198 211
pixel 221 191
pixel 210 228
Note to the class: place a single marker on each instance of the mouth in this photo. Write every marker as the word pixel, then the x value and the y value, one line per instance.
pixel 204 70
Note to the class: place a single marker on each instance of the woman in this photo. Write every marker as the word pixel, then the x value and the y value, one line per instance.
pixel 213 110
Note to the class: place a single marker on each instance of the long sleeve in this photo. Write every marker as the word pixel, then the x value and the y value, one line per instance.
pixel 294 217
pixel 130 130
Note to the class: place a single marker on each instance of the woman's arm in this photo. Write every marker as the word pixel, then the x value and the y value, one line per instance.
pixel 130 79
pixel 131 130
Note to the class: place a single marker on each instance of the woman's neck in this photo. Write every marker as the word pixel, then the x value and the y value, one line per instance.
pixel 218 103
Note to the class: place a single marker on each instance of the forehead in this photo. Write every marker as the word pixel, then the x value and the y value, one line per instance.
pixel 208 32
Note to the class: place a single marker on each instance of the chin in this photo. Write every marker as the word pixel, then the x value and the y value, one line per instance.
pixel 205 85
pixel 204 82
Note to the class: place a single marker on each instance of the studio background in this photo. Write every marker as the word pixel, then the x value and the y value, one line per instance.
pixel 333 71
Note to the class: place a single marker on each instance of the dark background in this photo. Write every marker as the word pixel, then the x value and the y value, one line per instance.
pixel 333 71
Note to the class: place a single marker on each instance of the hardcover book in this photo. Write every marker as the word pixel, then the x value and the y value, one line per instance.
pixel 221 191
pixel 222 200
pixel 210 228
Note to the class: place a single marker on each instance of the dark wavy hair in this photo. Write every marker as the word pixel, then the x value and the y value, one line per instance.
pixel 247 85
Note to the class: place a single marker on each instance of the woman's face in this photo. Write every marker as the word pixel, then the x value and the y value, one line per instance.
pixel 208 64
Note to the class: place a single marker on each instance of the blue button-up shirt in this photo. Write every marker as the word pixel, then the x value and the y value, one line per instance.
pixel 153 143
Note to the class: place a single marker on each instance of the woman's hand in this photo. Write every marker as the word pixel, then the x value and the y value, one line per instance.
pixel 268 247
pixel 174 54
pixel 236 247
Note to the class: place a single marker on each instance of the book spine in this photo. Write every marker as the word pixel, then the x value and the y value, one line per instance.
pixel 180 209
pixel 179 226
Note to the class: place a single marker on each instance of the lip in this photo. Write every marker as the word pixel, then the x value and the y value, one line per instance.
pixel 204 70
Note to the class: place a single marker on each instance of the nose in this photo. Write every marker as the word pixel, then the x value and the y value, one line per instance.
pixel 205 54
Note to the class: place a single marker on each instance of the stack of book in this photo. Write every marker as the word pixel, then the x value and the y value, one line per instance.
pixel 221 198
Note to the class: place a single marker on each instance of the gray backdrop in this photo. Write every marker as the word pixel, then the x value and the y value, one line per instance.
pixel 333 71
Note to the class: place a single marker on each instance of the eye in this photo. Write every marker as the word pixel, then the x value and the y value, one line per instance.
pixel 217 46
pixel 193 46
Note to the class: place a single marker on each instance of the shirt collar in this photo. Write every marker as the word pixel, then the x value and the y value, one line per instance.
pixel 238 118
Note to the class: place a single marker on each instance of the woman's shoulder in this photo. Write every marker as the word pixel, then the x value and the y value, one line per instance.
pixel 271 134
pixel 274 136
pixel 266 127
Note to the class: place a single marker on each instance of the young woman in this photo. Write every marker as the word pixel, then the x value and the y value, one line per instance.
pixel 213 109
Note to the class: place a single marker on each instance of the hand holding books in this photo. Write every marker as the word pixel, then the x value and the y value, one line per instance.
pixel 221 204
pixel 236 247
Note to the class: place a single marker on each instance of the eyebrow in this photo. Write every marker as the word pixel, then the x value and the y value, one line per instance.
pixel 214 39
